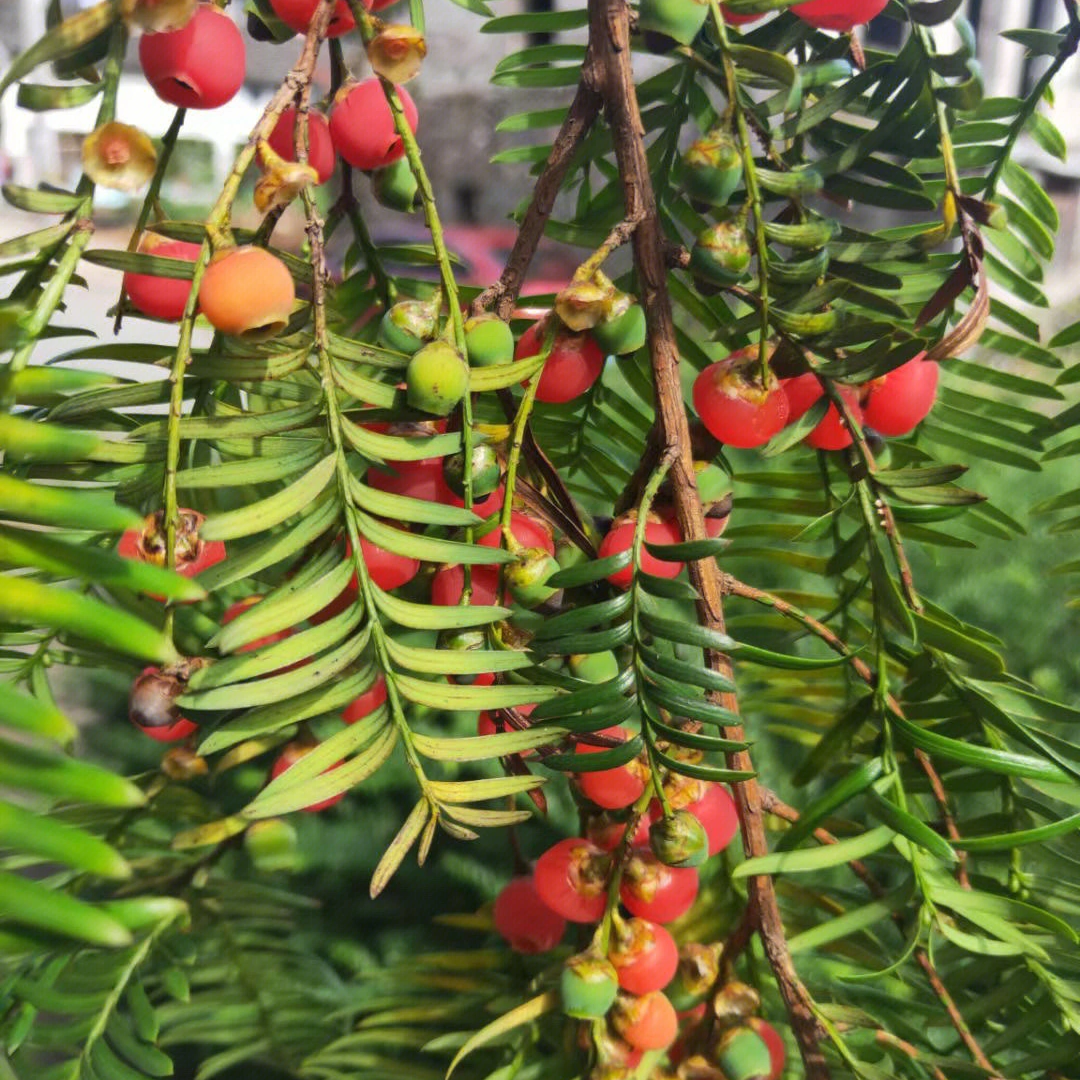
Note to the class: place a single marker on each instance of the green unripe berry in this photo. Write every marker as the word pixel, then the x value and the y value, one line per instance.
pixel 394 186
pixel 527 578
pixel 598 667
pixel 408 325
pixel 623 333
pixel 588 986
pixel 743 1055
pixel 436 379
pixel 486 471
pixel 568 554
pixel 468 640
pixel 272 845
pixel 712 168
pixel 721 254
pixel 488 341
pixel 679 839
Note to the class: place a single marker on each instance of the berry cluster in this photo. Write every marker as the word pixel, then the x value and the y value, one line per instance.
pixel 744 405
pixel 634 974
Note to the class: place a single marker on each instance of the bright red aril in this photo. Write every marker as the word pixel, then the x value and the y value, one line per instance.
pixel 238 609
pixel 573 365
pixel 737 20
pixel 321 155
pixel 528 531
pixel 161 297
pixel 741 405
pixel 654 891
pixel 832 433
pixel 571 879
pixel 644 954
pixel 717 814
pixel 525 922
pixel 297 15
pixel 616 788
pixel 839 14
pixel 803 392
pixel 199 67
pixel 647 1022
pixel 288 757
pixel 367 702
pixel 621 538
pixel 449 581
pixel 897 403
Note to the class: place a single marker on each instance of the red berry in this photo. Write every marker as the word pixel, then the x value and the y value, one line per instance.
pixel 645 956
pixel 152 706
pixel 526 923
pixel 571 878
pixel 803 393
pixel 388 570
pixel 367 702
pixel 321 155
pixel 771 1038
pixel 485 507
pixel 421 479
pixel 161 297
pixel 612 789
pixel 198 67
pixel 839 14
pixel 449 581
pixel 572 366
pixel 648 1022
pixel 193 555
pixel 621 538
pixel 238 609
pixel 716 812
pixel 297 14
pixel 832 433
pixel 288 757
pixel 362 126
pixel 899 402
pixel 655 891
pixel 528 531
pixel 736 405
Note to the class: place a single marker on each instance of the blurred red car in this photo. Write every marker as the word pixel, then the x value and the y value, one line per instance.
pixel 482 251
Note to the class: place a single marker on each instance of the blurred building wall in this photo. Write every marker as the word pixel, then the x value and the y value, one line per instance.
pixel 459 108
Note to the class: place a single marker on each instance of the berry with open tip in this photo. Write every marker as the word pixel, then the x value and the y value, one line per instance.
pixel 247 292
pixel 201 66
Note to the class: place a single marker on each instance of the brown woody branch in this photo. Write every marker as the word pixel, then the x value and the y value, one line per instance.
pixel 583 111
pixel 609 38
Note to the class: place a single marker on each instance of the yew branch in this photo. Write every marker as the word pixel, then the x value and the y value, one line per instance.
pixel 609 36
pixel 580 117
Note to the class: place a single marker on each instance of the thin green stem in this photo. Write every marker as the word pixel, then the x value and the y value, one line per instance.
pixel 438 242
pixel 1069 45
pixel 53 293
pixel 344 481
pixel 753 190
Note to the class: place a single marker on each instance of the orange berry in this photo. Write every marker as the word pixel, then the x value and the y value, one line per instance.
pixel 247 291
